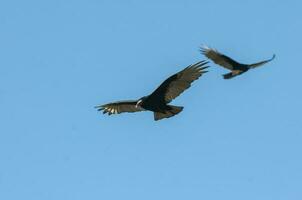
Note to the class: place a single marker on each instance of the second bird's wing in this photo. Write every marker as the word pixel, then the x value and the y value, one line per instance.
pixel 261 63
pixel 219 58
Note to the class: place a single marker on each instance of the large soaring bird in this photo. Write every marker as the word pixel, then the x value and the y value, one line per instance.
pixel 230 64
pixel 158 101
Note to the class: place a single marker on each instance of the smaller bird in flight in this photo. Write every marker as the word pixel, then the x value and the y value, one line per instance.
pixel 159 100
pixel 230 64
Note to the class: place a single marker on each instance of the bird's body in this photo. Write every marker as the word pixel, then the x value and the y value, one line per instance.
pixel 158 101
pixel 235 67
pixel 153 104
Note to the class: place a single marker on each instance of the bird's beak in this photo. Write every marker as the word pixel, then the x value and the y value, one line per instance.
pixel 138 103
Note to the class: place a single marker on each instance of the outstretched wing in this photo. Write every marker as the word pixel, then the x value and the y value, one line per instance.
pixel 261 63
pixel 119 107
pixel 219 58
pixel 179 82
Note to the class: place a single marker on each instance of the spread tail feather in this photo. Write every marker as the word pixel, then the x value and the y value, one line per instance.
pixel 173 110
pixel 232 74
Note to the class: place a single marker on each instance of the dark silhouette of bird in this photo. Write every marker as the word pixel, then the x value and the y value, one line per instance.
pixel 158 101
pixel 230 64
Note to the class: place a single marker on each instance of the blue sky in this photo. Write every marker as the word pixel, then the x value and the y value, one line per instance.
pixel 235 139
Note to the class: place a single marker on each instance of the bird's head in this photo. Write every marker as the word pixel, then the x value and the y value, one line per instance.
pixel 140 102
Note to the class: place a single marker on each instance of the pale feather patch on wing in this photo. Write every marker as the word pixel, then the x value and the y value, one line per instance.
pixel 119 107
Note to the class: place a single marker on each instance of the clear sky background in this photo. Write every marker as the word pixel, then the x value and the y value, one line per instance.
pixel 235 139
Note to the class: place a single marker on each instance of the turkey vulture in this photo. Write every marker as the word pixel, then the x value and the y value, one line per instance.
pixel 230 64
pixel 158 100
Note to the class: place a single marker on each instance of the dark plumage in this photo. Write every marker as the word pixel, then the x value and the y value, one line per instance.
pixel 230 64
pixel 158 100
